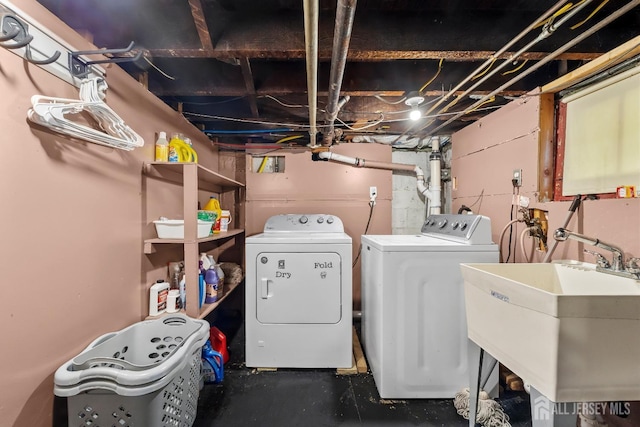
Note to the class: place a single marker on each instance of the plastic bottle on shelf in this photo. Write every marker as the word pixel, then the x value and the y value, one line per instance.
pixel 220 274
pixel 162 148
pixel 158 297
pixel 173 301
pixel 211 285
pixel 214 205
pixel 173 147
pixel 183 292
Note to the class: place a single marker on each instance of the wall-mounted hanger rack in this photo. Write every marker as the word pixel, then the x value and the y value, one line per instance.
pixel 25 37
pixel 74 58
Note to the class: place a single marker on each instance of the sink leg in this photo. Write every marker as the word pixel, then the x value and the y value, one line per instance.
pixel 545 413
pixel 475 356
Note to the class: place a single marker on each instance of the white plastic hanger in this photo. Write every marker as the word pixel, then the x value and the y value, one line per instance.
pixel 114 132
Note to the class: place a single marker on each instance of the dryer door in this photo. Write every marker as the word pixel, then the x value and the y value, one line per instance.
pixel 298 287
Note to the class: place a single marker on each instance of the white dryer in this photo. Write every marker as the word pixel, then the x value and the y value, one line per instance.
pixel 298 293
pixel 414 329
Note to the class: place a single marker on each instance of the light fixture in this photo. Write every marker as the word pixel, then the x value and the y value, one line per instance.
pixel 414 100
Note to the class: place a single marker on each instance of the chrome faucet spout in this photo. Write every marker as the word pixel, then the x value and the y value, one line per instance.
pixel 617 263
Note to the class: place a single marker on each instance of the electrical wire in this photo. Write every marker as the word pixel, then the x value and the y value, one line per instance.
pixel 366 229
pixel 600 6
pixel 376 123
pixel 485 71
pixel 265 159
pixel 158 69
pixel 424 86
pixel 518 68
pixel 400 101
pixel 487 101
pixel 285 104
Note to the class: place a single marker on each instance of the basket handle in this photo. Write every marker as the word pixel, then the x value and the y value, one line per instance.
pixel 119 363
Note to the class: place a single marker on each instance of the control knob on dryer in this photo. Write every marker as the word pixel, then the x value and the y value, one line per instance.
pixel 303 219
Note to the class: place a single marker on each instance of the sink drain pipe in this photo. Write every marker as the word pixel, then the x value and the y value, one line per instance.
pixel 432 192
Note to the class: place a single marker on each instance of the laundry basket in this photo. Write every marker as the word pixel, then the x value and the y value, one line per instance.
pixel 107 390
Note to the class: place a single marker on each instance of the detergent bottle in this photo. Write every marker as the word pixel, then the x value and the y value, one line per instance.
pixel 162 148
pixel 214 205
pixel 211 285
pixel 174 148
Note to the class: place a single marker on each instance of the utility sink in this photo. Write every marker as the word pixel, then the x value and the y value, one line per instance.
pixel 570 331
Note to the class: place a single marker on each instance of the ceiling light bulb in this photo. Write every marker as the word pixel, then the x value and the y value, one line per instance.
pixel 413 100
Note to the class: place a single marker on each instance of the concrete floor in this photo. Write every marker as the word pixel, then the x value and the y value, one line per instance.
pixel 297 397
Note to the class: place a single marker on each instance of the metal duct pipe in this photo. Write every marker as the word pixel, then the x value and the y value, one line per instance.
pixel 311 17
pixel 615 15
pixel 345 12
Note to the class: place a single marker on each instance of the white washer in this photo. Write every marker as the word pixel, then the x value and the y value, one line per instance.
pixel 298 293
pixel 413 316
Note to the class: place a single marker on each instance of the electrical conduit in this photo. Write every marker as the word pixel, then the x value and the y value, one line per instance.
pixel 490 60
pixel 615 15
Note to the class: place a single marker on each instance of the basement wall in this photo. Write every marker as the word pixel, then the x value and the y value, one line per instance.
pixel 484 155
pixel 72 222
pixel 326 187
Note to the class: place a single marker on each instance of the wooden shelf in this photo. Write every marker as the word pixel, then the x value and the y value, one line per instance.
pixel 149 244
pixel 174 172
pixel 192 177
pixel 208 308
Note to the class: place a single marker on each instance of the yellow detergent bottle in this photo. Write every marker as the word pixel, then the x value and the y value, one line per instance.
pixel 214 205
pixel 174 148
pixel 180 151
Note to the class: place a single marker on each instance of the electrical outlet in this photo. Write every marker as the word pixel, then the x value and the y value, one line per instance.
pixel 373 193
pixel 516 180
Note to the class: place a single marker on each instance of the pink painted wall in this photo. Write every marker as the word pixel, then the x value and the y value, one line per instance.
pixel 484 156
pixel 324 187
pixel 72 220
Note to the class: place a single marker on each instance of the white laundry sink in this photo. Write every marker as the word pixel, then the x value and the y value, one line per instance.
pixel 570 331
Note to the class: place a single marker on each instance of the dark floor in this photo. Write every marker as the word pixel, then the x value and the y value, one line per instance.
pixel 289 397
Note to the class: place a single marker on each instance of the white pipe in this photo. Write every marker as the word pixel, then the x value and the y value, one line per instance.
pixel 432 193
pixel 311 17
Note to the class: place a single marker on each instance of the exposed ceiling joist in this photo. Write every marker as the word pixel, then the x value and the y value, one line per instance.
pixel 201 24
pixel 360 55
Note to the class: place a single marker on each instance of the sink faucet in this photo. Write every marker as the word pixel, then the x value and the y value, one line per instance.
pixel 616 266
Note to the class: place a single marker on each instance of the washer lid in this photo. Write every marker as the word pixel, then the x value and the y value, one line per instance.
pixel 299 238
pixel 420 243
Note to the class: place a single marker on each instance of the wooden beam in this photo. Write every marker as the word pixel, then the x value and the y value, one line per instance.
pixel 231 92
pixel 361 55
pixel 199 20
pixel 247 75
pixel 615 56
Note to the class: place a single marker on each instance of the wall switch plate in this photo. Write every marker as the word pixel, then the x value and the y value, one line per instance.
pixel 517 178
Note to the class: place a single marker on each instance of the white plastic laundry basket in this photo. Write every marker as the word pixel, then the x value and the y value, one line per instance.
pixel 103 387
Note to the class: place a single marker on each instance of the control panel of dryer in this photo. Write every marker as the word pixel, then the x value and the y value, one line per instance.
pixel 304 222
pixel 470 229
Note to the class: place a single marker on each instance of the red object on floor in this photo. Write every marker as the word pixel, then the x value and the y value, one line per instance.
pixel 219 343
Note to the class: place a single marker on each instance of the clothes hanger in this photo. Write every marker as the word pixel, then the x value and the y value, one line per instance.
pixel 113 131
